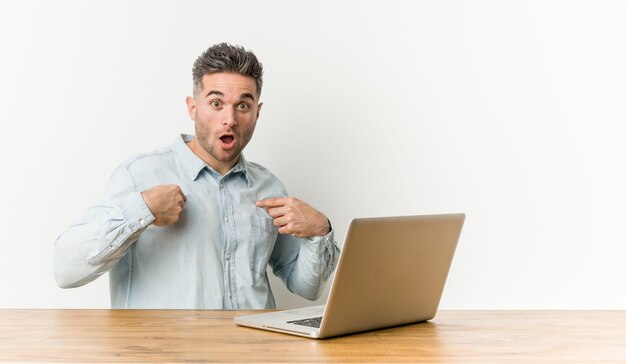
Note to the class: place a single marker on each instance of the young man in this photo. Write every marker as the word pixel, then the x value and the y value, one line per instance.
pixel 195 225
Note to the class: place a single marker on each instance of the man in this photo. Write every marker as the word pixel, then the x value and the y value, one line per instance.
pixel 195 225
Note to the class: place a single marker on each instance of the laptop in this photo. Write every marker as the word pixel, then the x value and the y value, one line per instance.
pixel 391 272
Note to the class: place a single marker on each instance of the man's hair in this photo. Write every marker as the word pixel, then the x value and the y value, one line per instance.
pixel 224 57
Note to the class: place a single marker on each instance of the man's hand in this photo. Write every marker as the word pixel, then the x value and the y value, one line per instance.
pixel 165 202
pixel 295 217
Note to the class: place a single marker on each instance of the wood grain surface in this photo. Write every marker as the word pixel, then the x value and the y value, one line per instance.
pixel 98 336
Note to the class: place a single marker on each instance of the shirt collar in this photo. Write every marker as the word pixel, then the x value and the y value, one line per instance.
pixel 193 165
pixel 243 166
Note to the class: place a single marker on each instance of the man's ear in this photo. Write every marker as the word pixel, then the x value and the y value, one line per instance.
pixel 191 107
pixel 258 110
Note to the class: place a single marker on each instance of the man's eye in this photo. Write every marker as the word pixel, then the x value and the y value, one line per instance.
pixel 216 104
pixel 242 106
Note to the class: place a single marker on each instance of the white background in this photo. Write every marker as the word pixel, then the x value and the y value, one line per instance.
pixel 510 111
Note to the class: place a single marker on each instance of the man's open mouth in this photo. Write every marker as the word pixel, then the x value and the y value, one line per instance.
pixel 227 139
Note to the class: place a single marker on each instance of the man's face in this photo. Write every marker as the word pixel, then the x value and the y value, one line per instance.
pixel 225 111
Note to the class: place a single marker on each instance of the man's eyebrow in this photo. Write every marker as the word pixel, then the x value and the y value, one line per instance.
pixel 213 92
pixel 246 96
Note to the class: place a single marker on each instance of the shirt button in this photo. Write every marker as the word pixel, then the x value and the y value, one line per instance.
pixel 227 256
pixel 142 222
pixel 230 295
pixel 226 218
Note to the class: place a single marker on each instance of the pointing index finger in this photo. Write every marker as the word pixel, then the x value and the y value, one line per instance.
pixel 271 202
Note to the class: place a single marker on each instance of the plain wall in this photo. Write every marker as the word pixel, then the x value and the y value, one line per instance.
pixel 510 111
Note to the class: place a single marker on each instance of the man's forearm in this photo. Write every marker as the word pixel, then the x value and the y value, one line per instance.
pixel 92 245
pixel 316 261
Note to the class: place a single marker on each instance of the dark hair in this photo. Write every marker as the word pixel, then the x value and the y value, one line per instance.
pixel 224 57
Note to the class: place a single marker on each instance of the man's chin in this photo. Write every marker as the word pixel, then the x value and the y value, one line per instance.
pixel 228 157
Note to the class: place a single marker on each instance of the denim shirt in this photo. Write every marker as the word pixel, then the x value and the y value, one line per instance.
pixel 214 257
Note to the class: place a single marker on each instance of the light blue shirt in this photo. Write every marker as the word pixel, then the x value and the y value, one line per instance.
pixel 214 257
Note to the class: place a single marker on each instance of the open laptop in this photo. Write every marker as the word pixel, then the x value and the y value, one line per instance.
pixel 391 272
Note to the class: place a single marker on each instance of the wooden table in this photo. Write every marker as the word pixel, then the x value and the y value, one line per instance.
pixel 211 336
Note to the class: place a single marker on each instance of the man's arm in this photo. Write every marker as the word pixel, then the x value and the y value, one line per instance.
pixel 101 237
pixel 305 253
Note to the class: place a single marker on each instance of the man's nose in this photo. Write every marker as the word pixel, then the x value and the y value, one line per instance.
pixel 230 117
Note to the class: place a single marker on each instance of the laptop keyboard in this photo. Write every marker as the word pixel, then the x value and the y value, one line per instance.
pixel 310 322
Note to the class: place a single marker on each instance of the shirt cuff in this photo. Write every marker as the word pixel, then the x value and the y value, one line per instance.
pixel 319 244
pixel 137 217
pixel 136 212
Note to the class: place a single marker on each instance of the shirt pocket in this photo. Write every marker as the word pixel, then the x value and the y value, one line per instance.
pixel 263 235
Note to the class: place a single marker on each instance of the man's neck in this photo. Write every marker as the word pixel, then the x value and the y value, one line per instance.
pixel 220 167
